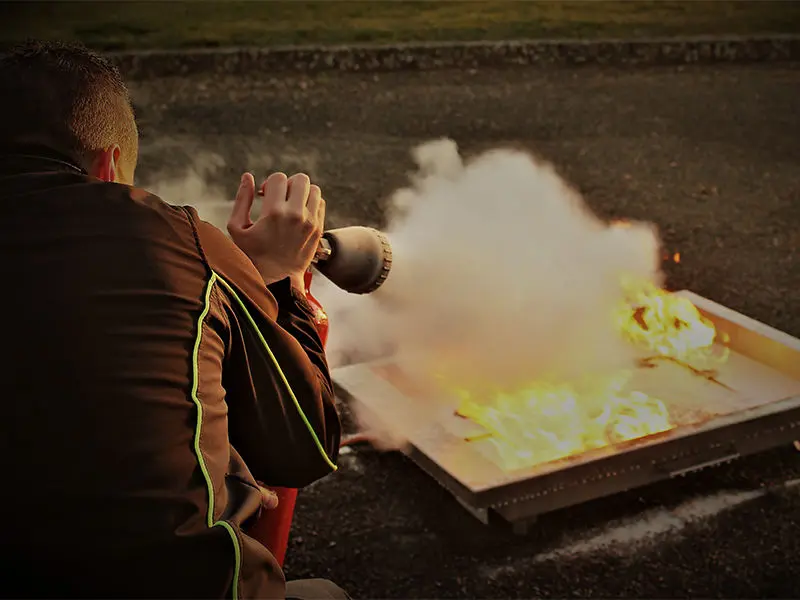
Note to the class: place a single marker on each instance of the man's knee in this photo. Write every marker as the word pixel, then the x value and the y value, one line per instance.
pixel 314 589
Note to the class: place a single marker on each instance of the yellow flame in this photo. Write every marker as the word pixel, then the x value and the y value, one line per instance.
pixel 543 422
pixel 667 325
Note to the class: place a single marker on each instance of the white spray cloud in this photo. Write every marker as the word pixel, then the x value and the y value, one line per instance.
pixel 501 276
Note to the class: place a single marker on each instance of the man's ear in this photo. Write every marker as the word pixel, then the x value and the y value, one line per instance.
pixel 106 165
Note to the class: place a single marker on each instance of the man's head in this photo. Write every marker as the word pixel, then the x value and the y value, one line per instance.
pixel 72 100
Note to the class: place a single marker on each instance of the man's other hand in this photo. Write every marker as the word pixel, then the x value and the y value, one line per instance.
pixel 282 241
pixel 269 499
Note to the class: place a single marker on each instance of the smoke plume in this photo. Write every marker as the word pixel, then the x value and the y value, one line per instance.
pixel 501 277
pixel 209 181
pixel 195 187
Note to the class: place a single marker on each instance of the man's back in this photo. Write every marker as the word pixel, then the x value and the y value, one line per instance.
pixel 120 477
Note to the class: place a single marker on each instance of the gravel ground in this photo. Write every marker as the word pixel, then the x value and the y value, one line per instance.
pixel 711 154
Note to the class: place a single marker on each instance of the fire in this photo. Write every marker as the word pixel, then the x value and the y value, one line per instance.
pixel 544 422
pixel 667 325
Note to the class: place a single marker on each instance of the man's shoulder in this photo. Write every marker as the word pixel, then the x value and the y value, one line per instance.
pixel 208 236
pixel 224 257
pixel 185 217
pixel 149 200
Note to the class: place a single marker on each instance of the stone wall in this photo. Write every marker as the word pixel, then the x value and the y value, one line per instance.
pixel 146 64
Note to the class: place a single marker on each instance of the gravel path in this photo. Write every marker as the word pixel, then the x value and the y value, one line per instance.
pixel 711 154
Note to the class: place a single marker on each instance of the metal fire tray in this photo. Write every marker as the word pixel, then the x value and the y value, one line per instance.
pixel 756 393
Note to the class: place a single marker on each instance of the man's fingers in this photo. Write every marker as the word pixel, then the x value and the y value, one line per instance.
pixel 242 204
pixel 269 499
pixel 316 217
pixel 299 189
pixel 321 212
pixel 274 190
pixel 316 207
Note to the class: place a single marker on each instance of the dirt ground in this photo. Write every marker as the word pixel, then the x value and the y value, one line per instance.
pixel 712 155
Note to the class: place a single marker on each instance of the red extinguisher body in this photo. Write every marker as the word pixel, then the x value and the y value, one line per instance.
pixel 273 526
pixel 320 317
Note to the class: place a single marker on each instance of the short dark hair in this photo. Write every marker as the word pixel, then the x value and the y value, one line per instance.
pixel 66 96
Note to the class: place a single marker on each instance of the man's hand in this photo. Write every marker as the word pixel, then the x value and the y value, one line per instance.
pixel 269 499
pixel 283 240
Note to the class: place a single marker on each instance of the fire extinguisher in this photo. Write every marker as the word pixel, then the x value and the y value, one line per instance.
pixel 320 316
pixel 273 526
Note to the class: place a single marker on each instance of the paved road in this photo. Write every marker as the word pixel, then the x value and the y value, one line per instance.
pixel 712 155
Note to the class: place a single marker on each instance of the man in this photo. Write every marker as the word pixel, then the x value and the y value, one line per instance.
pixel 156 370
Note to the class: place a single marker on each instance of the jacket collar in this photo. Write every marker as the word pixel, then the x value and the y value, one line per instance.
pixel 24 159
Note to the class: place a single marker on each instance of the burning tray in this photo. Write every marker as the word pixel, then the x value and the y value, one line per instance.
pixel 753 400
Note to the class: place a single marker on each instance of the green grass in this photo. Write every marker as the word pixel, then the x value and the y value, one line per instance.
pixel 118 25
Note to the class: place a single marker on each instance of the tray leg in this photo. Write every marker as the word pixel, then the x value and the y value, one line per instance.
pixel 522 527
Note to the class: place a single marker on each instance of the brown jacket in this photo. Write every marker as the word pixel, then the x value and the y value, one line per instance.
pixel 150 379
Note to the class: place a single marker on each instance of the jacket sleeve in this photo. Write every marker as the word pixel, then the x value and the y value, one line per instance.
pixel 282 415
